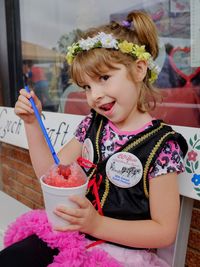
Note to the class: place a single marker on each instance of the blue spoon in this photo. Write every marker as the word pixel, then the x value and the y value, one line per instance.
pixel 37 114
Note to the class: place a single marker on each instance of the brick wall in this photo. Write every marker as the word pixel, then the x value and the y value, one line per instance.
pixel 193 252
pixel 18 177
pixel 20 182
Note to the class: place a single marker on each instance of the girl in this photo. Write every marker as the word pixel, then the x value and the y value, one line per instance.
pixel 131 159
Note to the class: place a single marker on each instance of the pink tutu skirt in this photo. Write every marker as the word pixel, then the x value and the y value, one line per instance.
pixel 133 258
pixel 72 246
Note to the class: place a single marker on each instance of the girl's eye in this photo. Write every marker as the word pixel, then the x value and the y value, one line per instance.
pixel 86 87
pixel 104 77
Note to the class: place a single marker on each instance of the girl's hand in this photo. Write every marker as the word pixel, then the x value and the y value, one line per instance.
pixel 84 218
pixel 23 107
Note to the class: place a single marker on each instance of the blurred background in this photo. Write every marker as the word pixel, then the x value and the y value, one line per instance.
pixel 38 32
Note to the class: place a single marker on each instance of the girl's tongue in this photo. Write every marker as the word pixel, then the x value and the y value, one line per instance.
pixel 108 106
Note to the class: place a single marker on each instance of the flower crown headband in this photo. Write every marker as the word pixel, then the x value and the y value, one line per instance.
pixel 104 40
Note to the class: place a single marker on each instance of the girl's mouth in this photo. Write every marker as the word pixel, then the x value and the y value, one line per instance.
pixel 108 106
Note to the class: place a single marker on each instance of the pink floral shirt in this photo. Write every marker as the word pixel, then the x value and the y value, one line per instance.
pixel 169 160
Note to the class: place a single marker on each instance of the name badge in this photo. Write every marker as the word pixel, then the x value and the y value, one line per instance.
pixel 124 169
pixel 87 150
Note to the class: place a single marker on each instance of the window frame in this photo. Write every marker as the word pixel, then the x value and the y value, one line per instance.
pixel 10 51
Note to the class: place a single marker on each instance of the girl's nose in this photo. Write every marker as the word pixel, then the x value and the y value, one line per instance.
pixel 96 93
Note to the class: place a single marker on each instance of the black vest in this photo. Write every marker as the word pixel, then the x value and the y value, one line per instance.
pixel 129 203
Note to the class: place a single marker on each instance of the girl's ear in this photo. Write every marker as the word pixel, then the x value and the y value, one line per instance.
pixel 140 70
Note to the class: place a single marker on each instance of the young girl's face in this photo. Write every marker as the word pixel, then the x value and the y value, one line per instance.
pixel 113 95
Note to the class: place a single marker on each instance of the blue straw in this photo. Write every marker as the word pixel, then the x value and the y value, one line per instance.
pixel 37 114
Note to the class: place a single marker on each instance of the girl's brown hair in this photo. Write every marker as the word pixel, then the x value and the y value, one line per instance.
pixel 95 62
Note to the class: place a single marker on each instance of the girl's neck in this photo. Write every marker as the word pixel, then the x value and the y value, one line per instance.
pixel 134 123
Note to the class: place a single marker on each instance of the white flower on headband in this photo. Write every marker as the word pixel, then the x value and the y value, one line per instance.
pixel 107 40
pixel 104 40
pixel 87 44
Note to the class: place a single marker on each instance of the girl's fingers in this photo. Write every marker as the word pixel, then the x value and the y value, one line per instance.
pixel 61 210
pixel 24 99
pixel 82 202
pixel 33 94
pixel 20 111
pixel 69 217
pixel 24 93
pixel 27 95
pixel 23 107
pixel 36 100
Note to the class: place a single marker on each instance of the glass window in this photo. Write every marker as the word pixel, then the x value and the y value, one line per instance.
pixel 49 26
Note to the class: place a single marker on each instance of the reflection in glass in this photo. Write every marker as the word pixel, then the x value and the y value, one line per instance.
pixel 41 72
pixel 56 25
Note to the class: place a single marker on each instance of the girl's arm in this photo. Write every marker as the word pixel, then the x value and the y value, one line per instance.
pixel 158 232
pixel 40 154
pixel 39 151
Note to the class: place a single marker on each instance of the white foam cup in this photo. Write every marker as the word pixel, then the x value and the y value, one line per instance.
pixel 55 196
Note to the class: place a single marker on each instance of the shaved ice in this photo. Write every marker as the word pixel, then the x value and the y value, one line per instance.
pixel 58 184
pixel 65 176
